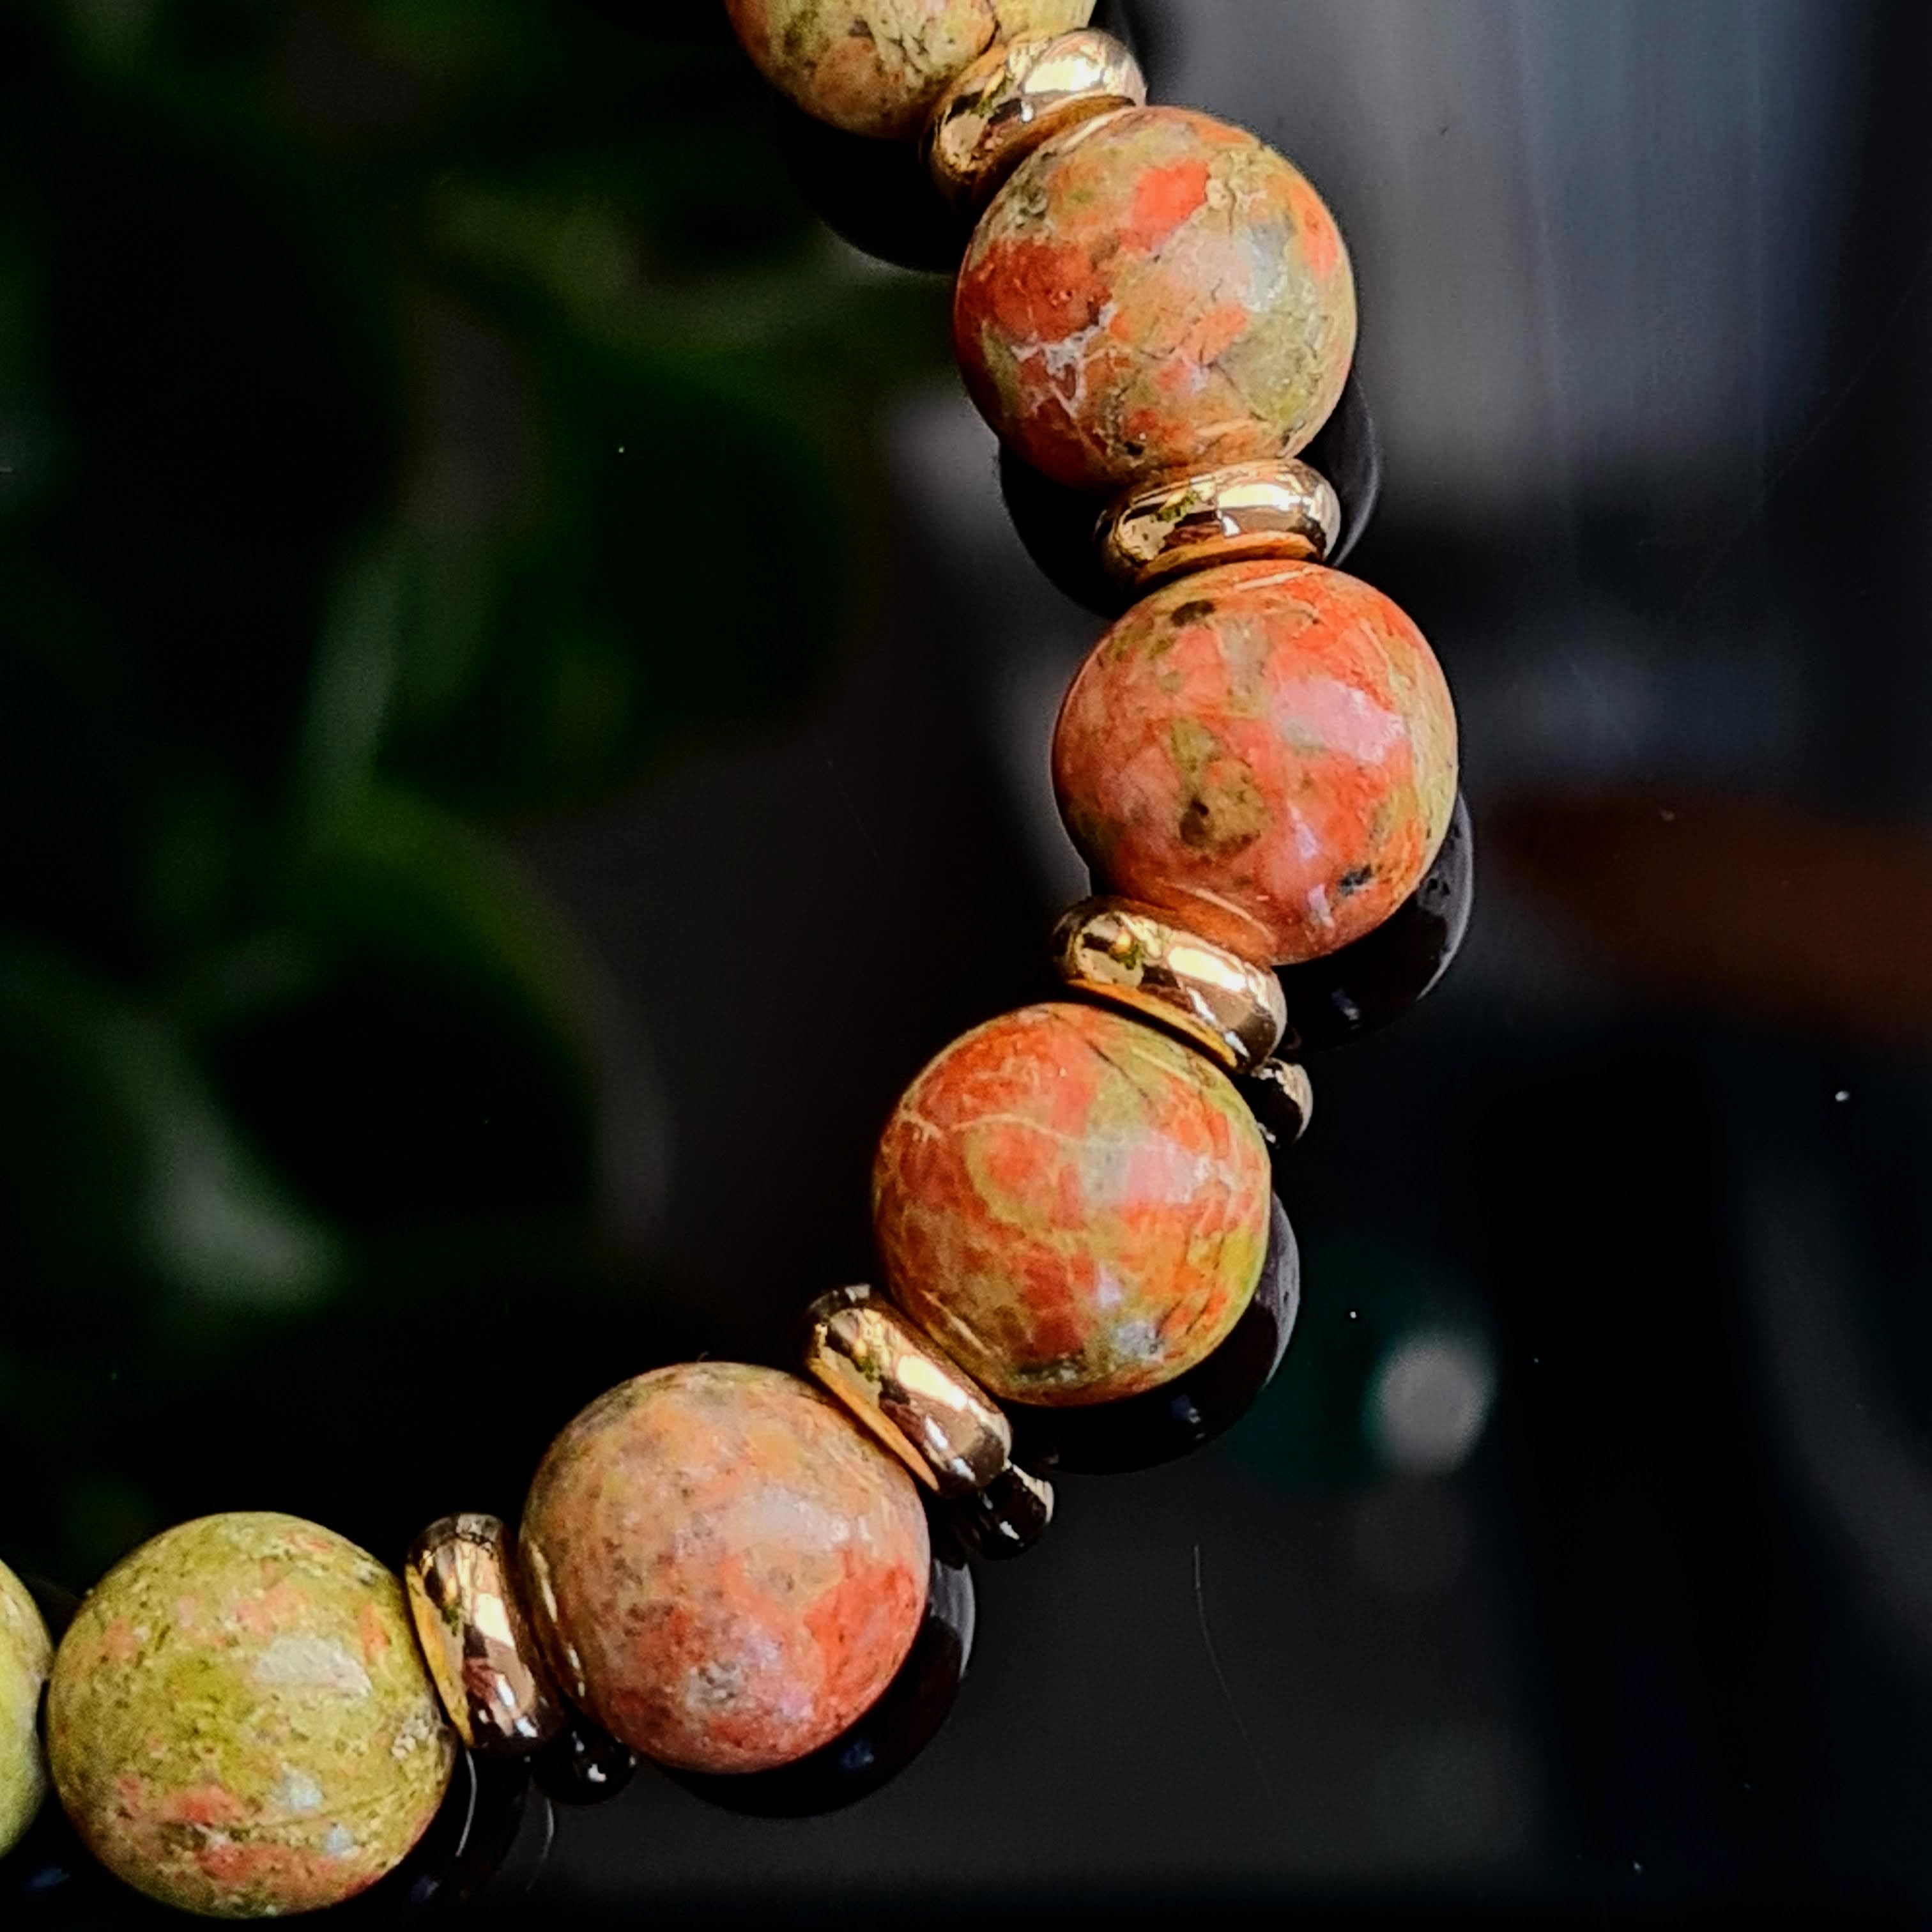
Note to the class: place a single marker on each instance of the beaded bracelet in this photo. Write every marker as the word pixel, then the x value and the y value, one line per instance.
pixel 722 1567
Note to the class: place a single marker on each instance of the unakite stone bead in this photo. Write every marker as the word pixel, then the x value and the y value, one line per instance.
pixel 723 1571
pixel 878 66
pixel 26 1653
pixel 1156 292
pixel 1266 752
pixel 239 1722
pixel 1074 1206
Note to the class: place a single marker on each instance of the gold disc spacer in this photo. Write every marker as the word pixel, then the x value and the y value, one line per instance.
pixel 461 1582
pixel 898 1384
pixel 1280 507
pixel 1131 955
pixel 1018 95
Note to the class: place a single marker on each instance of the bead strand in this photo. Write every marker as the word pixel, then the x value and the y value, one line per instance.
pixel 749 1579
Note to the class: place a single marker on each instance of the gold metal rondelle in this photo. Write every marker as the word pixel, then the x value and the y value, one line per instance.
pixel 897 1381
pixel 1133 956
pixel 1016 96
pixel 460 1578
pixel 1276 508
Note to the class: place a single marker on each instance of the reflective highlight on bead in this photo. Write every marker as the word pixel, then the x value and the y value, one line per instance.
pixel 1276 508
pixel 482 1657
pixel 1008 1517
pixel 26 1656
pixel 583 1764
pixel 1019 95
pixel 1283 1098
pixel 239 1722
pixel 895 1381
pixel 1133 956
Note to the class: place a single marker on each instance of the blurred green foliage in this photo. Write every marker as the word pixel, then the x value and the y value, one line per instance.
pixel 414 414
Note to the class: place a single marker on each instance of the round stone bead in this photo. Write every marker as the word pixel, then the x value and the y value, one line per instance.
pixel 239 1722
pixel 26 1652
pixel 724 1572
pixel 1074 1206
pixel 878 66
pixel 1156 291
pixel 1266 751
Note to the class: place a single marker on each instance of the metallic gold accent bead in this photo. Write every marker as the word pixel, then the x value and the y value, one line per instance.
pixel 1282 1097
pixel 1276 508
pixel 1018 95
pixel 460 1577
pixel 1132 956
pixel 896 1381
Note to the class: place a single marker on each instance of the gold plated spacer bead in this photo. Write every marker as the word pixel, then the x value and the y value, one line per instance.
pixel 1280 507
pixel 1282 1097
pixel 896 1381
pixel 1018 95
pixel 1132 956
pixel 460 1577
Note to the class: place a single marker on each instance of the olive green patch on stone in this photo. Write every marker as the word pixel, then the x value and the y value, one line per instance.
pixel 239 1722
pixel 26 1656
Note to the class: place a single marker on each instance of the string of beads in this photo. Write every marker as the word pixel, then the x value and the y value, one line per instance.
pixel 736 1571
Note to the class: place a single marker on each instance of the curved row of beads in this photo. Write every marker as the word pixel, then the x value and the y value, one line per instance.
pixel 1072 1203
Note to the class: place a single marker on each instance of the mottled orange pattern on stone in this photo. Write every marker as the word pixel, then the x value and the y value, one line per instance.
pixel 723 1571
pixel 1266 751
pixel 1155 291
pixel 878 66
pixel 239 1722
pixel 1075 1206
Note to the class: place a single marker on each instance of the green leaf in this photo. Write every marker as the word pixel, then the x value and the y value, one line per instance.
pixel 121 1162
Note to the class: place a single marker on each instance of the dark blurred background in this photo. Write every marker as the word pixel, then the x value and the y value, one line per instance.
pixel 523 723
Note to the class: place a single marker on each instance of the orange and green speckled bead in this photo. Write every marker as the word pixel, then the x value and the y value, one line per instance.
pixel 878 66
pixel 1266 751
pixel 1074 1206
pixel 723 1572
pixel 239 1722
pixel 25 1653
pixel 1155 291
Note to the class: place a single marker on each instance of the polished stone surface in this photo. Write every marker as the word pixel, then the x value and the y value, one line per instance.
pixel 1075 1205
pixel 1266 751
pixel 26 1653
pixel 239 1722
pixel 1343 995
pixel 583 1764
pixel 878 66
pixel 1156 291
pixel 723 1570
pixel 1191 1411
pixel 880 1744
